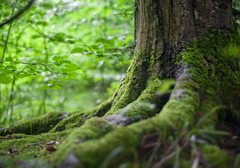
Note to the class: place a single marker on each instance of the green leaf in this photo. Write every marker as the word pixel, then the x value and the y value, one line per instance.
pixel 59 84
pixel 72 66
pixel 72 76
pixel 101 40
pixel 79 71
pixel 77 50
pixel 65 62
pixel 70 41
pixel 100 53
pixel 111 43
pixel 6 72
pixel 50 81
pixel 57 58
pixel 64 70
pixel 214 132
pixel 20 76
pixel 36 36
pixel 120 2
pixel 56 87
pixel 59 37
pixel 43 23
pixel 12 67
pixel 45 87
pixel 33 67
pixel 9 59
pixel 5 79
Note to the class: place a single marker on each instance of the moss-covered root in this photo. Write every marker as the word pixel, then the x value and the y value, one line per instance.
pixel 78 118
pixel 100 110
pixel 93 153
pixel 36 125
pixel 92 129
pixel 148 104
pixel 56 121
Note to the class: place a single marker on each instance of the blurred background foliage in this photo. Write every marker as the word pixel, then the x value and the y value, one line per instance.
pixel 62 55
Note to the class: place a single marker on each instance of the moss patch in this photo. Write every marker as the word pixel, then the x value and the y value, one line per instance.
pixel 93 128
pixel 94 152
pixel 36 125
pixel 16 147
pixel 216 70
pixel 147 105
pixel 217 157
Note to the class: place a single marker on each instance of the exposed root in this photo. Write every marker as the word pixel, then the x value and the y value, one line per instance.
pixel 36 125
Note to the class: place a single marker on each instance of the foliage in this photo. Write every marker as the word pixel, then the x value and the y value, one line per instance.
pixel 57 52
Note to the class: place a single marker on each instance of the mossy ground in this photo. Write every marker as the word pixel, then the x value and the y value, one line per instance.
pixel 181 133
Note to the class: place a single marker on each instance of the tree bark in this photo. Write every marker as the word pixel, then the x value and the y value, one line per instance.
pixel 163 29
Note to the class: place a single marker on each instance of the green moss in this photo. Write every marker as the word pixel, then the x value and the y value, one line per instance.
pixel 79 117
pixel 31 146
pixel 7 163
pixel 147 105
pixel 208 108
pixel 152 61
pixel 36 125
pixel 100 110
pixel 184 83
pixel 133 83
pixel 176 112
pixel 66 123
pixel 93 128
pixel 210 68
pixel 93 139
pixel 216 157
pixel 216 69
pixel 94 152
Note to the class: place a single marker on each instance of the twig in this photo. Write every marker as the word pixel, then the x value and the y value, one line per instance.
pixel 159 164
pixel 19 13
pixel 196 160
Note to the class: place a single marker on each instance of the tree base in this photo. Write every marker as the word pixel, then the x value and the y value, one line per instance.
pixel 150 130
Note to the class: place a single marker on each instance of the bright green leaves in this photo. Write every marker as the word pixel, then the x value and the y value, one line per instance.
pixel 57 58
pixel 6 74
pixel 60 37
pixel 72 66
pixel 32 69
pixel 106 13
pixel 69 66
pixel 42 23
pixel 102 47
pixel 106 43
pixel 66 71
pixel 45 87
pixel 55 87
pixel 5 79
pixel 12 67
pixel 77 50
pixel 44 58
pixel 36 36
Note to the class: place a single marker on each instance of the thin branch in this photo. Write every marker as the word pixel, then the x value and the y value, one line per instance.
pixel 19 13
pixel 196 161
pixel 159 164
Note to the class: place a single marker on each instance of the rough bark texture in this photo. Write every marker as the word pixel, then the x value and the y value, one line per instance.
pixel 162 26
pixel 95 139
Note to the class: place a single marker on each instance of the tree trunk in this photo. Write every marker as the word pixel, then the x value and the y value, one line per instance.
pixel 164 31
